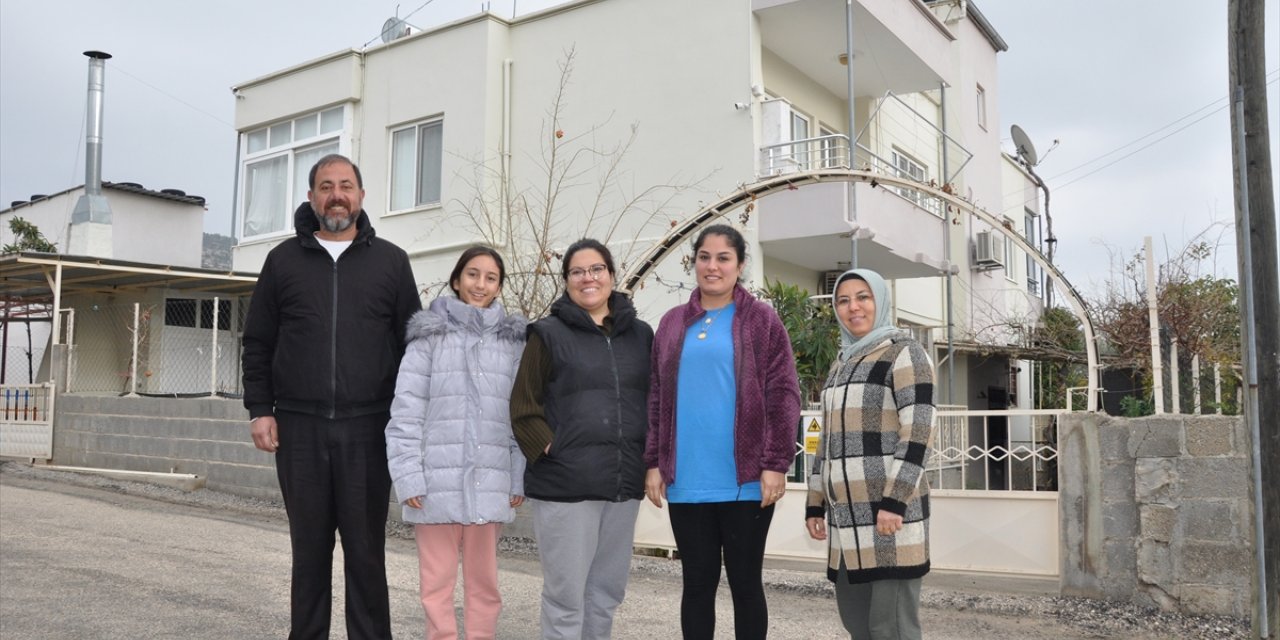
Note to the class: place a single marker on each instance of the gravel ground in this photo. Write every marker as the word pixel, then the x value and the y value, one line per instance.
pixel 1072 617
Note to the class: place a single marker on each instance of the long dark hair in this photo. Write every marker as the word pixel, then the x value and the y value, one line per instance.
pixel 734 237
pixel 586 243
pixel 467 256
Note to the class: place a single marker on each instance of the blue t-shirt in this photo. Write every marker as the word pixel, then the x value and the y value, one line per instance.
pixel 706 469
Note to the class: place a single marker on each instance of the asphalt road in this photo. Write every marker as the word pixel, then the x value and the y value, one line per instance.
pixel 104 559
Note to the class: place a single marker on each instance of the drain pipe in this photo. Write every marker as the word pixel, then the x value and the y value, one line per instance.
pixel 946 253
pixel 851 203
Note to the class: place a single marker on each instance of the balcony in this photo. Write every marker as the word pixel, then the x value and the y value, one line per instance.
pixel 898 45
pixel 901 230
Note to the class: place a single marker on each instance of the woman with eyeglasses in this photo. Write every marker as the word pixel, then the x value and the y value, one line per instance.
pixel 724 405
pixel 578 412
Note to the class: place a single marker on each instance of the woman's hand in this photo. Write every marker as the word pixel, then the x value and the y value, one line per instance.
pixel 415 502
pixel 817 528
pixel 516 501
pixel 654 488
pixel 773 486
pixel 888 523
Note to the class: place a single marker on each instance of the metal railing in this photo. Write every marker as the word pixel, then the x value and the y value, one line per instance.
pixel 1013 450
pixel 832 152
pixel 26 421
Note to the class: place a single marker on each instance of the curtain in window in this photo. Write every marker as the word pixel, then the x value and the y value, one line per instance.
pixel 429 161
pixel 264 196
pixel 403 150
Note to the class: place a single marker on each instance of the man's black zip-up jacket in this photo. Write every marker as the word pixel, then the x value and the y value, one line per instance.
pixel 323 337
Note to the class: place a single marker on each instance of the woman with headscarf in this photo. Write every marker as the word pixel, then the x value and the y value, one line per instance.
pixel 868 495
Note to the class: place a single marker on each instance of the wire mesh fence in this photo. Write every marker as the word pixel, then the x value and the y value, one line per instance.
pixel 178 347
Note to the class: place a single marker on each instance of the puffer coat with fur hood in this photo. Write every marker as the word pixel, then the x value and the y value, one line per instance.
pixel 449 439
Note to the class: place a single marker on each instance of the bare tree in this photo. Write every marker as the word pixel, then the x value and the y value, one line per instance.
pixel 580 189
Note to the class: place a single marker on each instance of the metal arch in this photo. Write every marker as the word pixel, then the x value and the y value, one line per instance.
pixel 640 269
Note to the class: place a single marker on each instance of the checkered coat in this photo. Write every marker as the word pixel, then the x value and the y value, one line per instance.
pixel 878 419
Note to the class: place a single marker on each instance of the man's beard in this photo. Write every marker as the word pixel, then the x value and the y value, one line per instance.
pixel 337 224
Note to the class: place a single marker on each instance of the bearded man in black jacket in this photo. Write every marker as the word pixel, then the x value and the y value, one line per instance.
pixel 322 344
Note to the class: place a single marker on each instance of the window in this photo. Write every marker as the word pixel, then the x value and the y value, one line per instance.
pixel 830 149
pixel 196 314
pixel 1031 231
pixel 416 152
pixel 275 162
pixel 800 131
pixel 1009 251
pixel 982 107
pixel 908 167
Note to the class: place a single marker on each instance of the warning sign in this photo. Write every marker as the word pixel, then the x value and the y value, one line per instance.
pixel 812 433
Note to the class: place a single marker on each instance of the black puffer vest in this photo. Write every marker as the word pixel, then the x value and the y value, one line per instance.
pixel 595 403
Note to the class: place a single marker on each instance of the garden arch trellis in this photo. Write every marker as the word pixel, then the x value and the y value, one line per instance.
pixel 644 266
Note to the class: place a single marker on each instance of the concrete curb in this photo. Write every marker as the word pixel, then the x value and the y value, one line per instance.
pixel 179 481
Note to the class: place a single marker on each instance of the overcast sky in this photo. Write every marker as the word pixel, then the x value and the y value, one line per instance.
pixel 1096 75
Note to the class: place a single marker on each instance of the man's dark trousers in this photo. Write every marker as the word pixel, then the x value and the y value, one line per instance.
pixel 333 476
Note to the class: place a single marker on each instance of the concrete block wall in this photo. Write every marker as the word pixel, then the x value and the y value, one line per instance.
pixel 205 436
pixel 1158 511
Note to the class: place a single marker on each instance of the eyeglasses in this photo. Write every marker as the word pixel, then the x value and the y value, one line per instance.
pixel 594 272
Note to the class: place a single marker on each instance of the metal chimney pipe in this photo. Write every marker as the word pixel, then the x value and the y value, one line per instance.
pixel 93 123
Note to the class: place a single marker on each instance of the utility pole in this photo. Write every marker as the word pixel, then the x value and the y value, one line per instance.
pixel 1259 295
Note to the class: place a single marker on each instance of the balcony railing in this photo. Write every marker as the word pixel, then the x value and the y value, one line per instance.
pixel 832 152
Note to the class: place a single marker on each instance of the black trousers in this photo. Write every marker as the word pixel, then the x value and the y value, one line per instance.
pixel 333 476
pixel 705 531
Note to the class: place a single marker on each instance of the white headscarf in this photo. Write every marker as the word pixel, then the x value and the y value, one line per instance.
pixel 881 328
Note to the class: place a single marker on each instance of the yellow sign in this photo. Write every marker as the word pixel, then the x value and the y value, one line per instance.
pixel 812 434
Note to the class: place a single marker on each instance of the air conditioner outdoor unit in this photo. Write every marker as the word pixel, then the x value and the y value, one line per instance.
pixel 988 250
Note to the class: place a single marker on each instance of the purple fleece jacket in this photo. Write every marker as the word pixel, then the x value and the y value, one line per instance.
pixel 767 406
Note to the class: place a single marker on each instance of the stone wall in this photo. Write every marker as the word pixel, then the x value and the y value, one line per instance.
pixel 1158 511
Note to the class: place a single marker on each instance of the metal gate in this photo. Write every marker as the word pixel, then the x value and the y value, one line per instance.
pixel 26 421
pixel 993 492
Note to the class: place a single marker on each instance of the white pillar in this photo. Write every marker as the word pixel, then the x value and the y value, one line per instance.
pixel 1195 384
pixel 1157 369
pixel 1174 375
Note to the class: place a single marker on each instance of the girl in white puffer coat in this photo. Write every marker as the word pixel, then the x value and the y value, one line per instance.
pixel 454 463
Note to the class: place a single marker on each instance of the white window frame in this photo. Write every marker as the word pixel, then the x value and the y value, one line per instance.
pixel 982 107
pixel 294 136
pixel 829 151
pixel 417 201
pixel 1010 272
pixel 1031 231
pixel 906 165
pixel 800 152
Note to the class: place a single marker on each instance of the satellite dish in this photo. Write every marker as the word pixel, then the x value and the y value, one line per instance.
pixel 394 28
pixel 1022 142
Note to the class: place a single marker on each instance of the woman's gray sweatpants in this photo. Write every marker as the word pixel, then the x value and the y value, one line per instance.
pixel 585 550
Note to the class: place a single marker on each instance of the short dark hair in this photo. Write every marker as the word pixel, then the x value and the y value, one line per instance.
pixel 587 243
pixel 468 256
pixel 734 237
pixel 333 158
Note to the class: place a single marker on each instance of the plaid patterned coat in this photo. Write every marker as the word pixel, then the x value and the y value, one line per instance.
pixel 878 413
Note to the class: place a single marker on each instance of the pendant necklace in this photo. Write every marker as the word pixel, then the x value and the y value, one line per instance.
pixel 706 323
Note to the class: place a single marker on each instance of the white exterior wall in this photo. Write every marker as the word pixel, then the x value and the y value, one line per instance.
pixel 155 231
pixel 143 228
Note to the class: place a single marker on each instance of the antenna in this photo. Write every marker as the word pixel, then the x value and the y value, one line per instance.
pixel 1026 150
pixel 393 29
